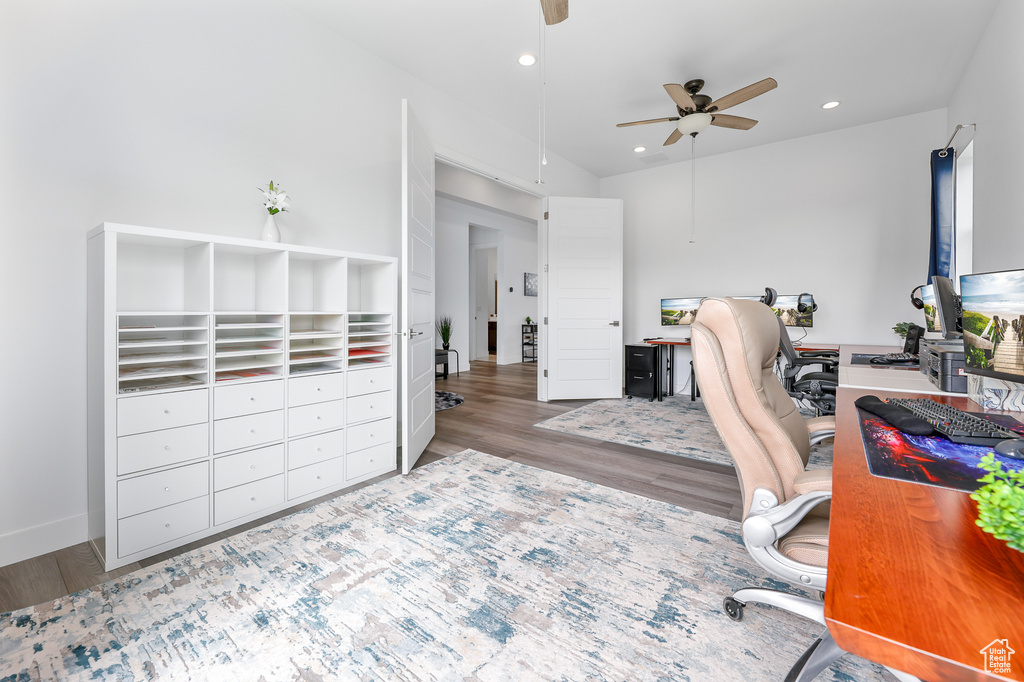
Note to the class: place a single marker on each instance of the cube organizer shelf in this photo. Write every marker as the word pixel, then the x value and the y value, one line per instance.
pixel 229 379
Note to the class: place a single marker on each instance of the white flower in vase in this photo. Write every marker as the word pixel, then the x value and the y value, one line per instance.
pixel 276 202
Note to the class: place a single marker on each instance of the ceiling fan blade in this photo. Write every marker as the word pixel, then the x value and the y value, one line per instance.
pixel 680 96
pixel 673 138
pixel 743 94
pixel 734 122
pixel 555 11
pixel 650 120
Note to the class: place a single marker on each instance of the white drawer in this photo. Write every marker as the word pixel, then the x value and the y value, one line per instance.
pixel 250 498
pixel 316 417
pixel 362 381
pixel 306 480
pixel 370 434
pixel 258 396
pixel 372 406
pixel 306 451
pixel 316 389
pixel 137 495
pixel 162 411
pixel 246 467
pixel 159 448
pixel 162 525
pixel 247 431
pixel 375 460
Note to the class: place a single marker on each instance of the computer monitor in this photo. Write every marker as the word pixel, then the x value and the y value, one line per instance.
pixel 788 310
pixel 679 311
pixel 993 324
pixel 931 316
pixel 948 303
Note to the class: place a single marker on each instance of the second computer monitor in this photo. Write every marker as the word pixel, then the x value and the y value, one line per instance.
pixel 931 313
pixel 948 307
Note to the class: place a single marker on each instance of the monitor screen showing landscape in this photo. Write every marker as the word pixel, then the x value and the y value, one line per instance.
pixel 676 311
pixel 993 323
pixel 931 314
pixel 786 309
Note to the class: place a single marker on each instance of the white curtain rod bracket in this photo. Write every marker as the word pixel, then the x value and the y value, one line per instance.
pixel 944 153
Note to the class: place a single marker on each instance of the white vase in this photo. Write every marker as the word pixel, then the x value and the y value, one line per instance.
pixel 270 232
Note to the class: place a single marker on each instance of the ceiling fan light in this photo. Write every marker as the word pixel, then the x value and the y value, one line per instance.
pixel 694 123
pixel 527 60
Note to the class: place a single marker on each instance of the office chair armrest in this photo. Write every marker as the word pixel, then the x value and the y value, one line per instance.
pixel 811 481
pixel 820 428
pixel 819 353
pixel 768 520
pixel 824 362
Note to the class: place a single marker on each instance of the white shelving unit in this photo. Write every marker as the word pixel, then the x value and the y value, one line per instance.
pixel 223 385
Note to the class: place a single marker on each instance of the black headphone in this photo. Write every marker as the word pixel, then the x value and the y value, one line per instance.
pixel 769 297
pixel 805 307
pixel 917 301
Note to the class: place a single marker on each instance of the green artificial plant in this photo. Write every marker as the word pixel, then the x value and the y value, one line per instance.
pixel 901 329
pixel 444 330
pixel 1001 502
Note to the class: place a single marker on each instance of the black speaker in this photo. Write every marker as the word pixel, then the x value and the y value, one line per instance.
pixel 803 307
pixel 913 342
pixel 917 301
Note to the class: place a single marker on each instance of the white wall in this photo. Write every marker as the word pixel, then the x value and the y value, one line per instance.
pixel 843 215
pixel 170 115
pixel 990 94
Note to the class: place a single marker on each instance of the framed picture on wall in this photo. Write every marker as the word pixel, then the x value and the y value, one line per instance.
pixel 529 284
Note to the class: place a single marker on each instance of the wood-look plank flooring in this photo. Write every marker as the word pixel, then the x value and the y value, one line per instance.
pixel 498 418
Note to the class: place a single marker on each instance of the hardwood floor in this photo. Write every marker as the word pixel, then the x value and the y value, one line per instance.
pixel 498 418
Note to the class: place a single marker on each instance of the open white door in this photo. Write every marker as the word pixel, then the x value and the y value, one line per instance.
pixel 584 298
pixel 418 285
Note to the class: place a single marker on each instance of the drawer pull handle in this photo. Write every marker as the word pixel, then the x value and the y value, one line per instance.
pixel 252 430
pixel 252 398
pixel 253 467
pixel 167 411
pixel 167 447
pixel 252 499
pixel 317 389
pixel 167 489
pixel 318 449
pixel 167 525
pixel 318 478
pixel 318 417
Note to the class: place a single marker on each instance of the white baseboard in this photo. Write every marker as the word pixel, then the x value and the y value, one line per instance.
pixel 42 539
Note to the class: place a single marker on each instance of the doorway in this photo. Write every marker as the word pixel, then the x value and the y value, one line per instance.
pixel 483 299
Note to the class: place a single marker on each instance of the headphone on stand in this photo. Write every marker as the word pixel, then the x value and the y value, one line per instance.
pixel 806 307
pixel 917 301
pixel 769 297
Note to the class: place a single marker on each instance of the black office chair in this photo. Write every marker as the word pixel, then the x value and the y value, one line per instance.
pixel 817 389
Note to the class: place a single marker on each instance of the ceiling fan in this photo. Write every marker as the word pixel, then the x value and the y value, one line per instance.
pixel 697 112
pixel 555 11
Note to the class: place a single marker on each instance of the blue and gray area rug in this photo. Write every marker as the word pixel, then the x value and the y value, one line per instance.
pixel 470 568
pixel 677 426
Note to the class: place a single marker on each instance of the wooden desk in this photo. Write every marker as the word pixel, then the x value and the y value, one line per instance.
pixel 883 377
pixel 913 583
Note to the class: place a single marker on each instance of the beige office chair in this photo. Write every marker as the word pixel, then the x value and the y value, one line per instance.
pixel 785 509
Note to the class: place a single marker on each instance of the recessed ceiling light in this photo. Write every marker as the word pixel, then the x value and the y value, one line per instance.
pixel 639 149
pixel 830 105
pixel 527 60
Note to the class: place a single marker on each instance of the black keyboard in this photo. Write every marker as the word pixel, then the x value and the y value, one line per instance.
pixel 901 357
pixel 956 425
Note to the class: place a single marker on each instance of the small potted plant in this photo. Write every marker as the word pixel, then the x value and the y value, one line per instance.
pixel 444 330
pixel 1001 502
pixel 528 321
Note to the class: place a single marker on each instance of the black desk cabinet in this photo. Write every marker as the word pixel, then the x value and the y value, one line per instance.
pixel 644 371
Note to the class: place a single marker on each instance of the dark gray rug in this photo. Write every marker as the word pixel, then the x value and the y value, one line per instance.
pixel 446 400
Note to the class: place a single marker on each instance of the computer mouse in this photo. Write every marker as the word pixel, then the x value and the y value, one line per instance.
pixel 880 360
pixel 1012 448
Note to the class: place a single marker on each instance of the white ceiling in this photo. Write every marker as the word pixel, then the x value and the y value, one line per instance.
pixel 607 63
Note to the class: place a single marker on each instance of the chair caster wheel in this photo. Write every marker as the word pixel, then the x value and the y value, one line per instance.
pixel 733 608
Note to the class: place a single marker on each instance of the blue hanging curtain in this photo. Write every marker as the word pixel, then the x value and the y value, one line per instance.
pixel 940 258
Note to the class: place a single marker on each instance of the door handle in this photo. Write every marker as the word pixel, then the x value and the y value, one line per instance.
pixel 614 324
pixel 412 333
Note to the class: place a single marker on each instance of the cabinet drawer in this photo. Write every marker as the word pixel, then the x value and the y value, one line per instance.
pixel 250 498
pixel 162 525
pixel 246 467
pixel 372 406
pixel 159 448
pixel 260 396
pixel 244 432
pixel 639 385
pixel 375 460
pixel 364 381
pixel 640 358
pixel 370 434
pixel 313 449
pixel 162 411
pixel 330 473
pixel 316 417
pixel 137 495
pixel 316 389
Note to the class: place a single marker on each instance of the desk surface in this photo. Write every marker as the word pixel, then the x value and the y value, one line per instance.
pixel 883 377
pixel 912 582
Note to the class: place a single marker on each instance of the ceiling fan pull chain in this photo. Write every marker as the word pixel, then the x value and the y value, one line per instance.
pixel 693 189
